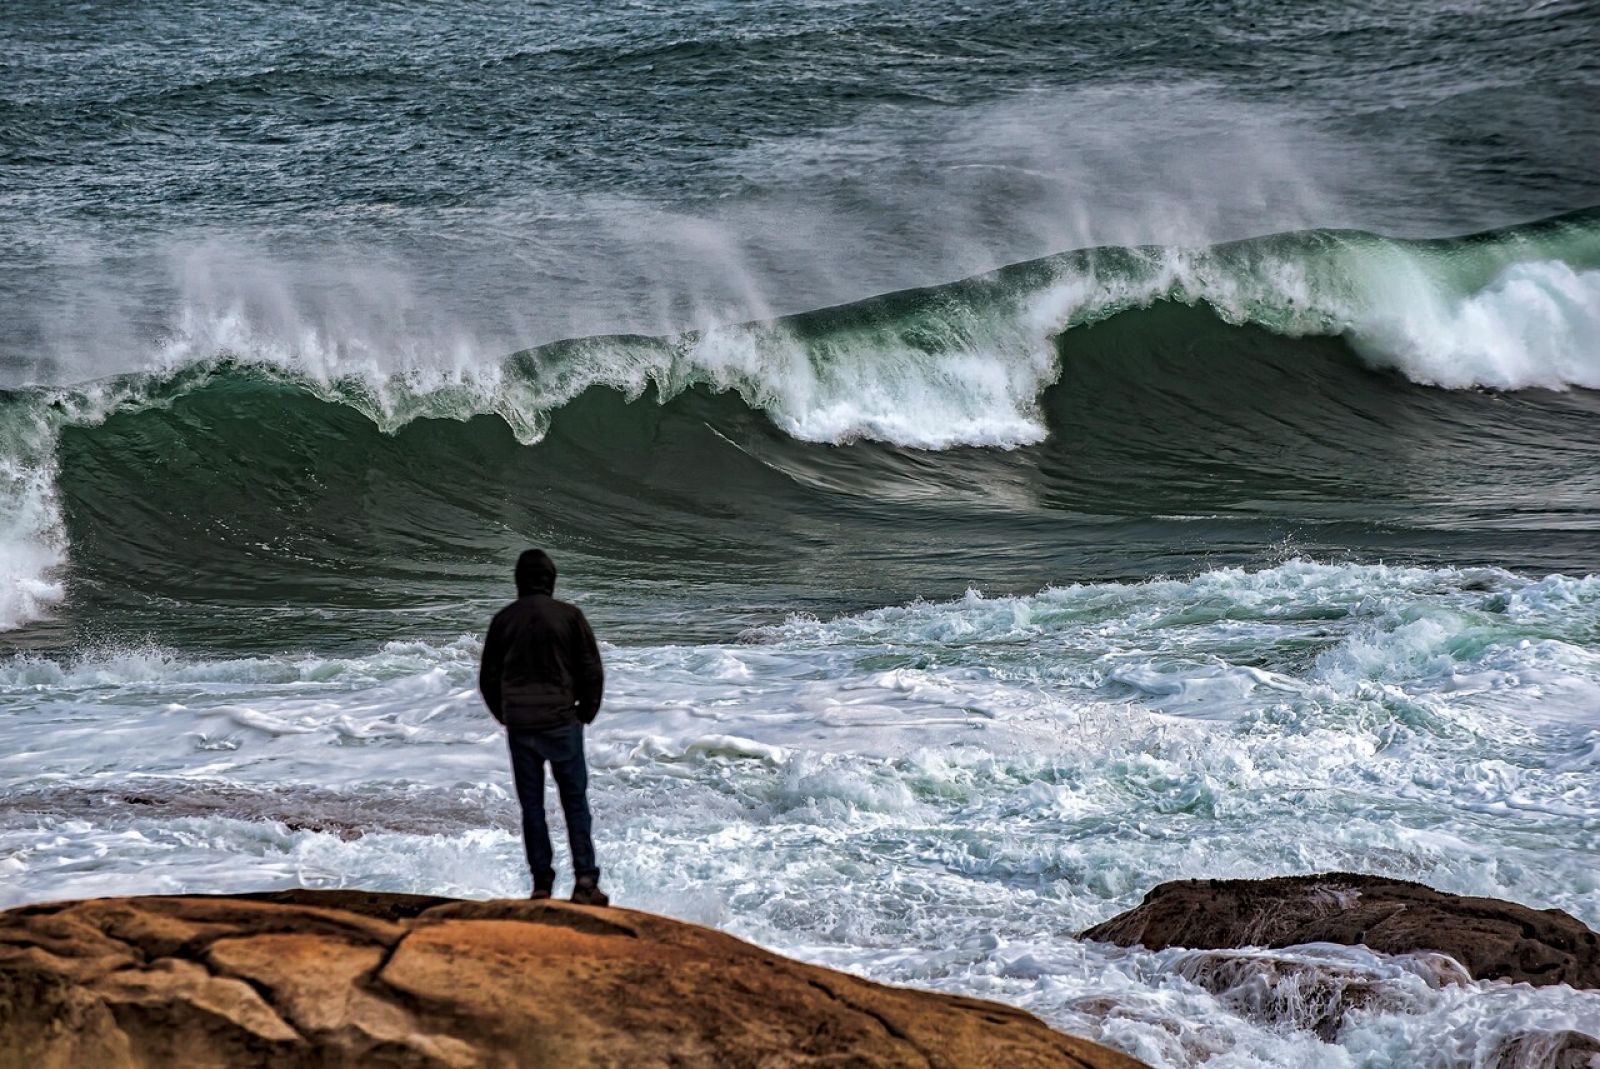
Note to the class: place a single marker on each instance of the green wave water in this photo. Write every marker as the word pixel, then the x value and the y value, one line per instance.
pixel 1253 535
pixel 1284 387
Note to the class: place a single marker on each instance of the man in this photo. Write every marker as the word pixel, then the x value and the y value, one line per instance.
pixel 541 677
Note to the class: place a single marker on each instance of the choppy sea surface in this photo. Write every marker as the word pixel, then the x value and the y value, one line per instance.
pixel 1013 455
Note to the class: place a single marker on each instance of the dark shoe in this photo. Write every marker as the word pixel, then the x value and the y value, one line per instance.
pixel 540 892
pixel 586 892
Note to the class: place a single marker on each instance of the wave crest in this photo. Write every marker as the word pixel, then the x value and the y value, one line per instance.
pixel 960 365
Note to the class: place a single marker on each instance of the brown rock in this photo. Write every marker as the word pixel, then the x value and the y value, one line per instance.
pixel 1313 997
pixel 1307 993
pixel 1548 1050
pixel 1491 939
pixel 324 979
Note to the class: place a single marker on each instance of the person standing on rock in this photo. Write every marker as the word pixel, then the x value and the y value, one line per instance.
pixel 541 677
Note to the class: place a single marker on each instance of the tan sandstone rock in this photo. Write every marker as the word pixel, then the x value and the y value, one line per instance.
pixel 306 978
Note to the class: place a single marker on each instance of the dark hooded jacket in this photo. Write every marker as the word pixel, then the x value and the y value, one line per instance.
pixel 541 665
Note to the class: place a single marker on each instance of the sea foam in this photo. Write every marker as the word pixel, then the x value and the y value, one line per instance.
pixel 961 365
pixel 936 793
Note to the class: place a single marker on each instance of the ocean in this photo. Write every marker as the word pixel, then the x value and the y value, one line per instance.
pixel 1013 454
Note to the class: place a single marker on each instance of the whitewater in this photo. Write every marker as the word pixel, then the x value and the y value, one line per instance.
pixel 962 364
pixel 937 793
pixel 1013 455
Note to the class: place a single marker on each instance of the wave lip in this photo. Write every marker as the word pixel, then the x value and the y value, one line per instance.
pixel 946 367
pixel 1537 324
pixel 960 364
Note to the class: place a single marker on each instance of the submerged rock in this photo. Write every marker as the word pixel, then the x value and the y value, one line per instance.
pixel 334 978
pixel 1548 1050
pixel 1313 991
pixel 1492 940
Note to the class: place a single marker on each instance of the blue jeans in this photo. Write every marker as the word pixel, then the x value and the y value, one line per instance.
pixel 562 747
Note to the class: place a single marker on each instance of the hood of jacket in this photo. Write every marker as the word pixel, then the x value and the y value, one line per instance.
pixel 536 573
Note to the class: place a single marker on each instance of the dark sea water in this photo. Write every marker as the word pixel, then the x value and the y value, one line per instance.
pixel 1014 453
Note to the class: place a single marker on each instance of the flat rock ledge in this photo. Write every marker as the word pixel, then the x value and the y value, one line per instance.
pixel 350 978
pixel 1491 939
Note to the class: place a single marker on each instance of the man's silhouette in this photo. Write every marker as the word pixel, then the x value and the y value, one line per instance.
pixel 541 678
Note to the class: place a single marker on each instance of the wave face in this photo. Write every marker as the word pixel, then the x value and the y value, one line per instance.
pixel 1240 394
pixel 1254 534
pixel 964 363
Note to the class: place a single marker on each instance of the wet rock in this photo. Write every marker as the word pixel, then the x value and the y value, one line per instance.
pixel 1314 992
pixel 350 978
pixel 1491 939
pixel 1548 1050
pixel 348 815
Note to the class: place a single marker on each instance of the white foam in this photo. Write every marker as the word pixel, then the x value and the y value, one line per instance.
pixel 1536 324
pixel 31 552
pixel 965 369
pixel 936 794
pixel 32 539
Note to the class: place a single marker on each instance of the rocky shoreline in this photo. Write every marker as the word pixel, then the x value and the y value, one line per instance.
pixel 1232 929
pixel 347 978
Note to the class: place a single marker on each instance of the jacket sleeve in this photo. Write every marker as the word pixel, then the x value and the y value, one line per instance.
pixel 589 677
pixel 489 669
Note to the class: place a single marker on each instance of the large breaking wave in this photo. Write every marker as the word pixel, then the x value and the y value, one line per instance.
pixel 1094 352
